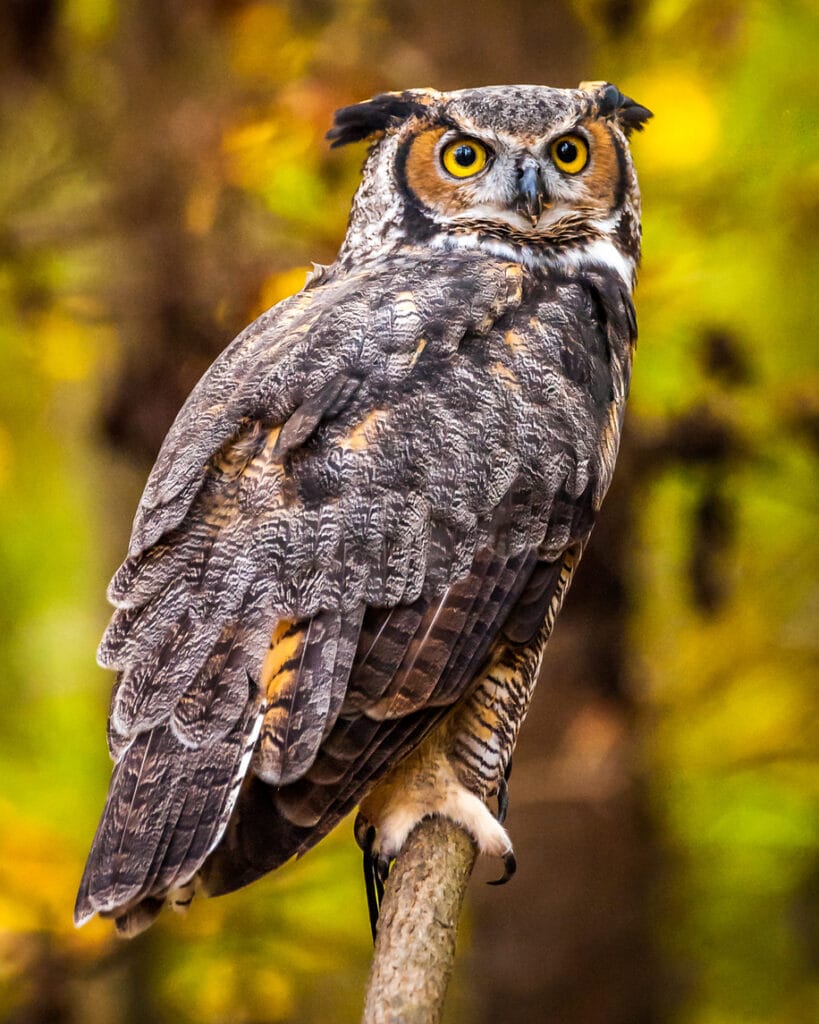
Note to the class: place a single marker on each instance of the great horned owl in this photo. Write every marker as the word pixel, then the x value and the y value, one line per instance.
pixel 360 528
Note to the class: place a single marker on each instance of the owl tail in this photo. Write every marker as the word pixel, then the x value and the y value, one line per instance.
pixel 167 806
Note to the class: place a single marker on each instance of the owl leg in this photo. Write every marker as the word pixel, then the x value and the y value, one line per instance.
pixel 424 785
pixel 466 760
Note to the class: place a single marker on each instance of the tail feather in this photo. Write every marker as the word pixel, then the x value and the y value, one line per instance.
pixel 141 786
pixel 167 806
pixel 202 820
pixel 263 834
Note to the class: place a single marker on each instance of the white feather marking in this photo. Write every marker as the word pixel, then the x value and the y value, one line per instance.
pixel 505 250
pixel 250 745
pixel 601 252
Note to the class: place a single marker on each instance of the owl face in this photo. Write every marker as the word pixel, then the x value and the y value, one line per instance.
pixel 529 169
pixel 527 175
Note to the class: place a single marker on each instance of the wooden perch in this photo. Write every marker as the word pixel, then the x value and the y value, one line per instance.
pixel 418 925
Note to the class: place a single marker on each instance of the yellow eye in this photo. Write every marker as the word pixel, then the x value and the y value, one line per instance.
pixel 570 153
pixel 464 157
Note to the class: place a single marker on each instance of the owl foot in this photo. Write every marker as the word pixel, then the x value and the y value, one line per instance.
pixel 414 792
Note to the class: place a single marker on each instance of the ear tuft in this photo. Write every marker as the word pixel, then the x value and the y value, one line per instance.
pixel 630 115
pixel 363 120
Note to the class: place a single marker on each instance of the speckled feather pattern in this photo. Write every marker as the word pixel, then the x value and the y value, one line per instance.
pixel 375 487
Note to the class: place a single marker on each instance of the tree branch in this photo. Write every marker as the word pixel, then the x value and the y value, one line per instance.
pixel 417 928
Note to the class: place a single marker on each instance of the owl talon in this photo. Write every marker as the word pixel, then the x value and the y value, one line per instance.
pixel 376 872
pixel 503 794
pixel 373 883
pixel 382 870
pixel 503 800
pixel 510 866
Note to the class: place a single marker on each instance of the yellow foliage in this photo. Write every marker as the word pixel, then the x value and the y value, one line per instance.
pixel 91 20
pixel 255 150
pixel 37 875
pixel 280 163
pixel 6 457
pixel 202 206
pixel 280 285
pixel 263 45
pixel 228 989
pixel 686 126
pixel 66 349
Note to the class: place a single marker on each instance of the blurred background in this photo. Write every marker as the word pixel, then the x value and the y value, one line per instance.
pixel 163 179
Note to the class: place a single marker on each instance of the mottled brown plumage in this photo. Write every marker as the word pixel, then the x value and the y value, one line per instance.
pixel 360 528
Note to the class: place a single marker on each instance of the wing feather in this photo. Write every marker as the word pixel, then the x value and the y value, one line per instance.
pixel 295 350
pixel 362 747
pixel 305 677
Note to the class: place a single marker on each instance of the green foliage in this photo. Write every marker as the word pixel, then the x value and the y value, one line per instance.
pixel 730 193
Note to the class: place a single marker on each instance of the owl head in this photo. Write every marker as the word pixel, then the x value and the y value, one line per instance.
pixel 527 172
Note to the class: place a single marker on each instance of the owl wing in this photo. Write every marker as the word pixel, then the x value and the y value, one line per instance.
pixel 332 536
pixel 443 645
pixel 572 339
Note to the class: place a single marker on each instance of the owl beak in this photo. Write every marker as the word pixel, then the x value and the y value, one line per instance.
pixel 531 192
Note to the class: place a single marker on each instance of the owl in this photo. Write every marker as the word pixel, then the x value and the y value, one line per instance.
pixel 351 551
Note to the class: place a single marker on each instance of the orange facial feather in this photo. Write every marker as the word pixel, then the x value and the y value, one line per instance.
pixel 426 180
pixel 602 175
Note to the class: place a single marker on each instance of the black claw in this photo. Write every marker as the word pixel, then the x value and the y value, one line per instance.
pixel 510 866
pixel 503 793
pixel 372 883
pixel 376 871
pixel 503 800
pixel 382 869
